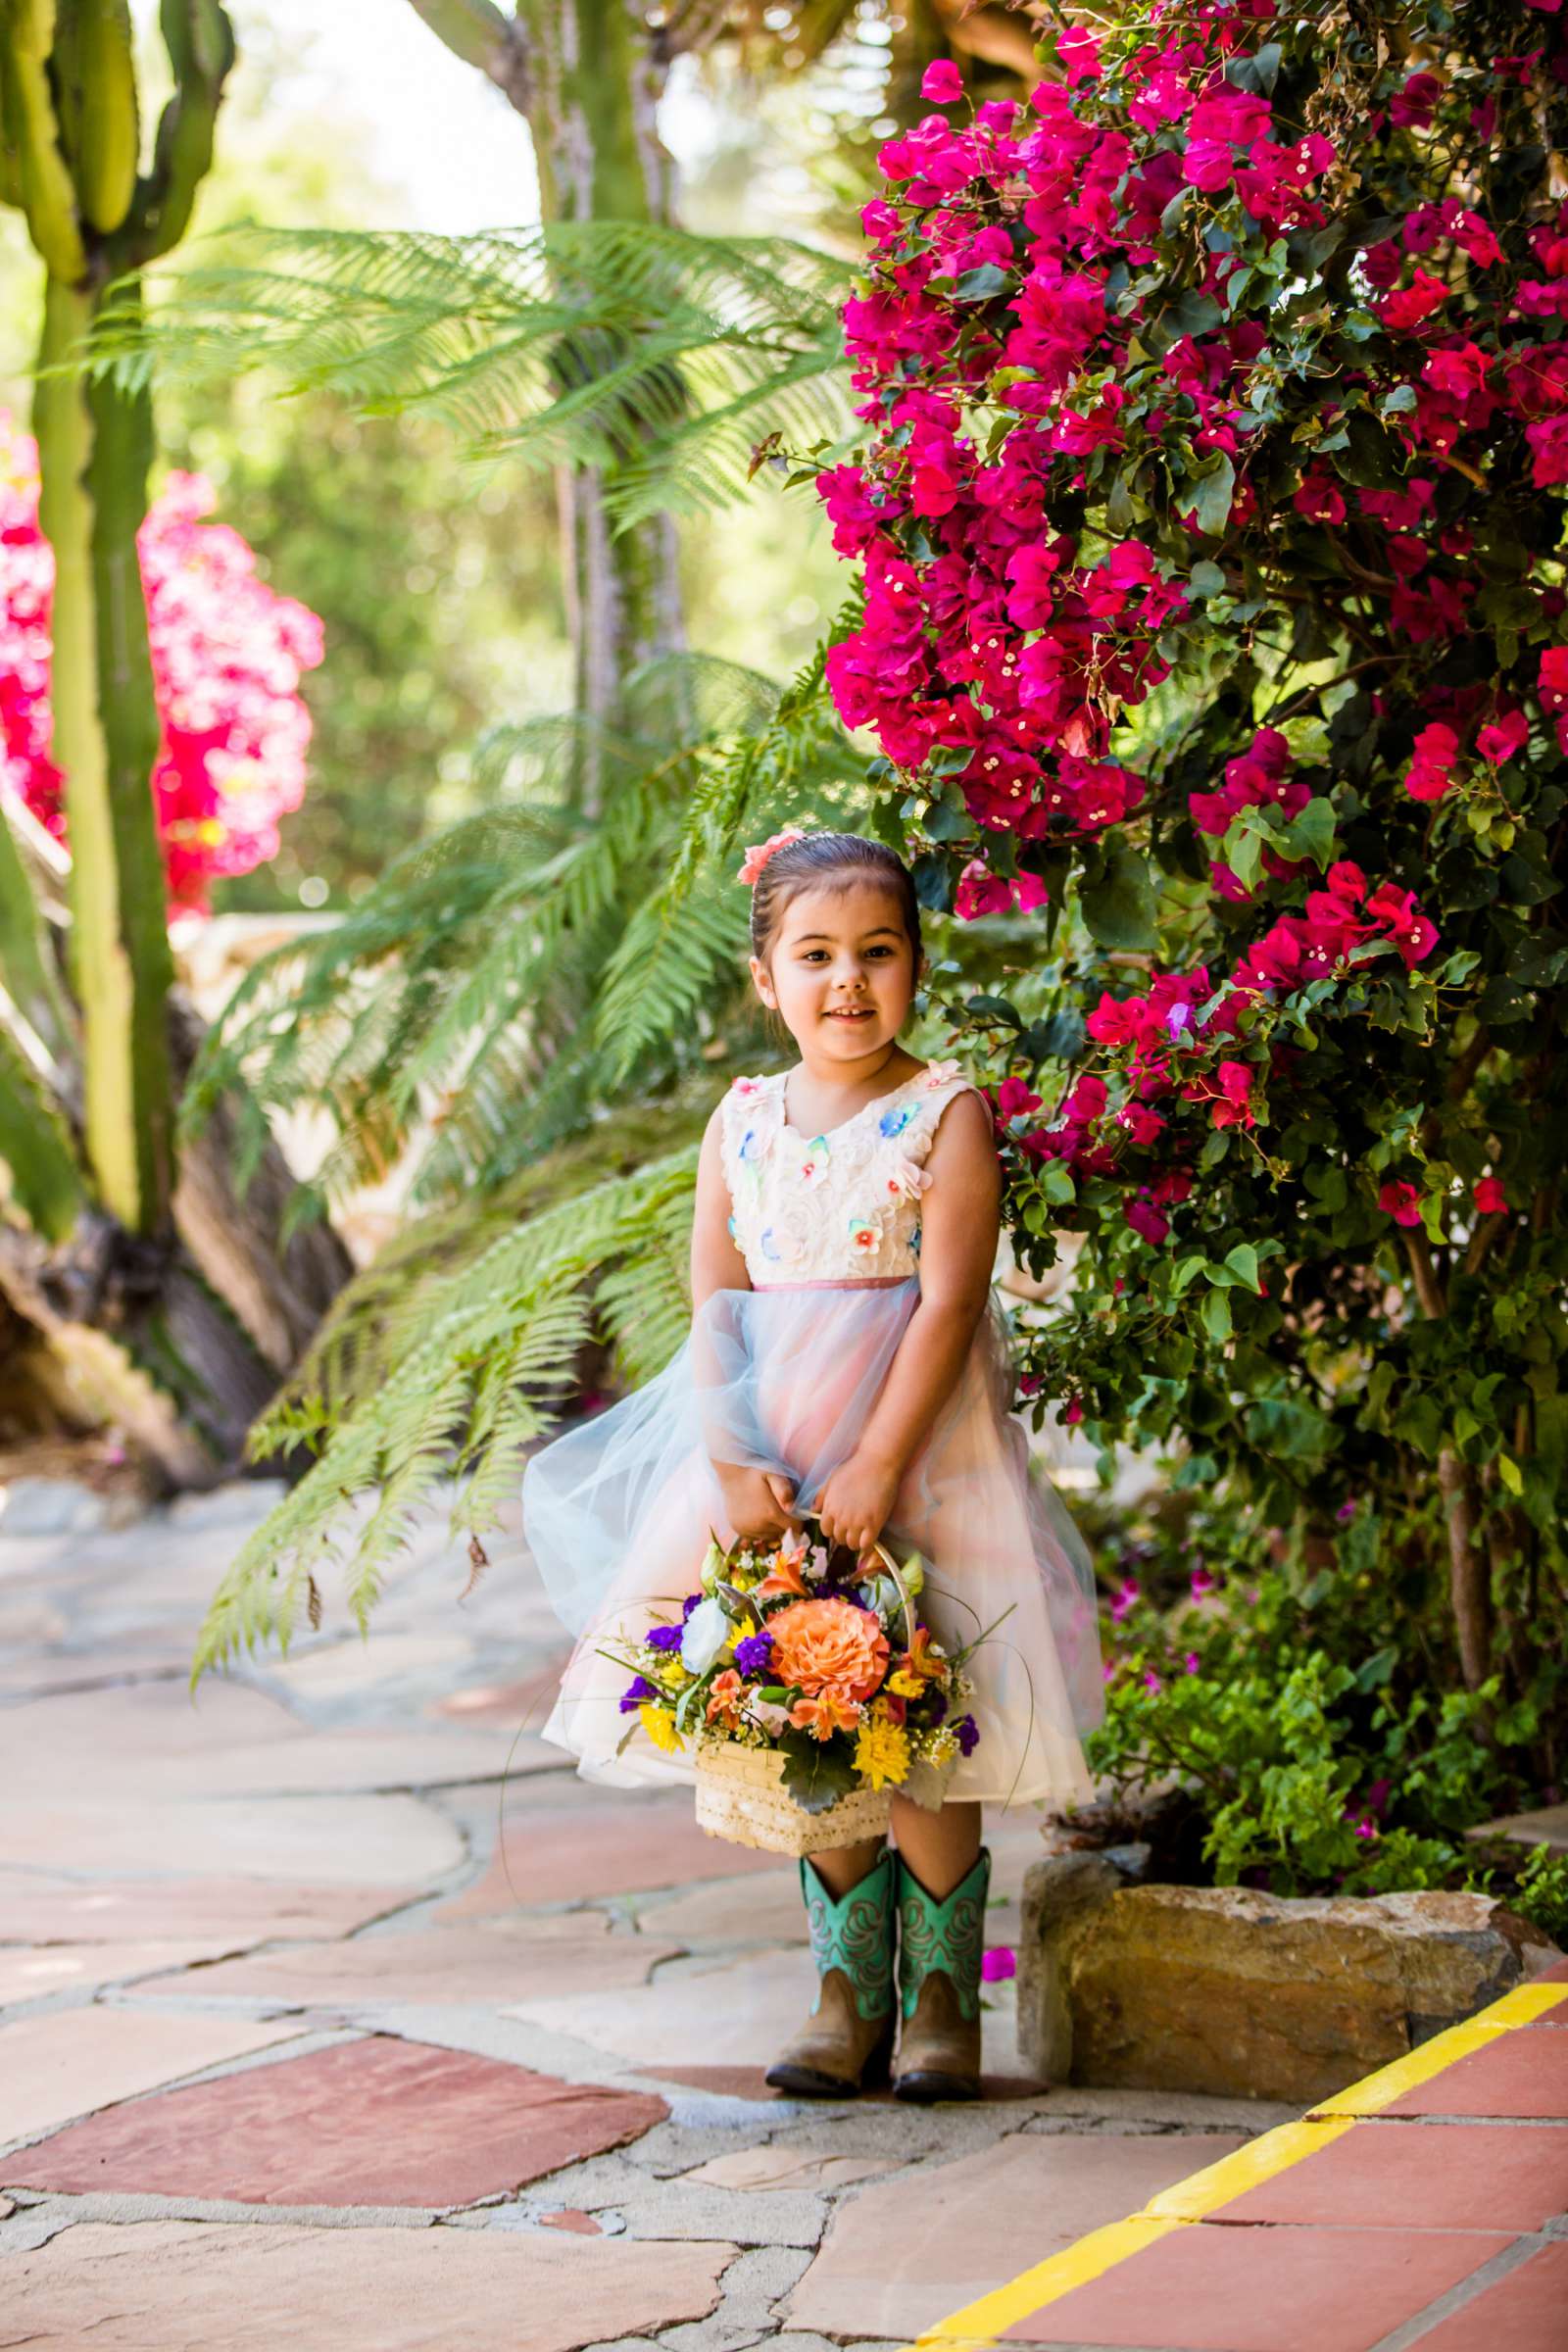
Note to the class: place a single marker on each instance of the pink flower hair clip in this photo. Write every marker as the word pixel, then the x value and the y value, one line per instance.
pixel 757 856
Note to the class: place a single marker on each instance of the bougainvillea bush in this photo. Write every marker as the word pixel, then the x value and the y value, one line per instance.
pixel 228 653
pixel 1215 629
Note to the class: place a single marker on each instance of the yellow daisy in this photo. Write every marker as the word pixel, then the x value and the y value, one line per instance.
pixel 660 1726
pixel 882 1753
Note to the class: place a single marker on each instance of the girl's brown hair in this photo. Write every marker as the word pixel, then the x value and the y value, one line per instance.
pixel 819 860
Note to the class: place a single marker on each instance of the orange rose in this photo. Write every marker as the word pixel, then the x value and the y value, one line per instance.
pixel 828 1645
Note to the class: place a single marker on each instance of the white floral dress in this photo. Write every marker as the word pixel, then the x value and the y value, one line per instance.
pixel 835 1207
pixel 782 1376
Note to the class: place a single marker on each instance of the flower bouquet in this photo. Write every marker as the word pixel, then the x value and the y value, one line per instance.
pixel 809 1689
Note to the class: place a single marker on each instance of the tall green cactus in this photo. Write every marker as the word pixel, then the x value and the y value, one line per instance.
pixel 70 127
pixel 145 1328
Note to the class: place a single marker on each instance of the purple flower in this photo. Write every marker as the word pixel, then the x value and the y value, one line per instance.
pixel 1152 1680
pixel 1202 1582
pixel 1191 1661
pixel 1125 1602
pixel 999 1960
pixel 755 1654
pixel 967 1732
pixel 634 1695
pixel 1347 1509
pixel 663 1636
pixel 688 1605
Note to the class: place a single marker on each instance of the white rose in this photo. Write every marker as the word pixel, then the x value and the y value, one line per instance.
pixel 707 1632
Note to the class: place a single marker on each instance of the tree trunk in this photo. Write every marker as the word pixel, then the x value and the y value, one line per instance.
pixel 587 76
pixel 182 1338
pixel 1469 1571
pixel 593 99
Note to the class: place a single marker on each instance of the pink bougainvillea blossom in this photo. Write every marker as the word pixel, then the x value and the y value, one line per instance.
pixel 1401 1202
pixel 227 657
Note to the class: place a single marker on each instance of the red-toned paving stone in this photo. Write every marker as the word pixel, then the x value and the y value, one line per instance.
pixel 1208 2289
pixel 600 1844
pixel 1410 2177
pixel 209 2287
pixel 46 1907
pixel 1556 1974
pixel 572 2218
pixel 1523 2073
pixel 1525 2312
pixel 379 2122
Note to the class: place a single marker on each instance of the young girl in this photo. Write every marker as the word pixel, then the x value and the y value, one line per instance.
pixel 846 1357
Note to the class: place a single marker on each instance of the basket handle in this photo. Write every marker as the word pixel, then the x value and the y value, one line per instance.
pixel 895 1572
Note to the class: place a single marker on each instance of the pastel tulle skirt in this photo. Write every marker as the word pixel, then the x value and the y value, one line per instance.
pixel 617 1513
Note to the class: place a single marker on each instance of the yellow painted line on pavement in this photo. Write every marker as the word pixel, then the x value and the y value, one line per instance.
pixel 976 2327
pixel 979 2324
pixel 1525 2005
pixel 1231 2177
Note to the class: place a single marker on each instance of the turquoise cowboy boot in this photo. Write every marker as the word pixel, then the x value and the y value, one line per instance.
pixel 847 2041
pixel 940 1947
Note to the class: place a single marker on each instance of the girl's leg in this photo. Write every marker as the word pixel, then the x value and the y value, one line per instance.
pixel 942 1847
pixel 842 1867
pixel 944 1873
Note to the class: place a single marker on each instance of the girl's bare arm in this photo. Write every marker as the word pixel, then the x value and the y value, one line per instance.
pixel 717 1263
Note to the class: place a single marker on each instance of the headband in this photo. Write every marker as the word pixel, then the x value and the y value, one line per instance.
pixel 759 853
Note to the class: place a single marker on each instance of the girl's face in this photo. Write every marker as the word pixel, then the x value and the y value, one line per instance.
pixel 840 972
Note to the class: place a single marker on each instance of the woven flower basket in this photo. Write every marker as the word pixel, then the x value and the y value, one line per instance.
pixel 741 1795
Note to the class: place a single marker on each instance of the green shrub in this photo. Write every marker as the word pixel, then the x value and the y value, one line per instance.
pixel 1288 1685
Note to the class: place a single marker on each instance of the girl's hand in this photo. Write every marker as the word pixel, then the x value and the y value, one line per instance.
pixel 760 1503
pixel 857 1501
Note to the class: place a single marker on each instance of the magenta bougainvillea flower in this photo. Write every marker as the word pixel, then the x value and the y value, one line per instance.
pixel 229 653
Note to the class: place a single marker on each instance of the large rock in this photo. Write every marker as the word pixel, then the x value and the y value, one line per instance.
pixel 1218 1988
pixel 1549 1827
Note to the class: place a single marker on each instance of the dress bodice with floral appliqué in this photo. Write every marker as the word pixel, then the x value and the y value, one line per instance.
pixel 843 1207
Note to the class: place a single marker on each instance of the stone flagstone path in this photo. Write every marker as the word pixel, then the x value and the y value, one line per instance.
pixel 333 2007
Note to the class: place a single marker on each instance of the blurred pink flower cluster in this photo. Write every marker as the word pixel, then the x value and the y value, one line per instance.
pixel 227 656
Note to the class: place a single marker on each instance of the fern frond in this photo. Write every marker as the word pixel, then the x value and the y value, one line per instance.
pixel 574 344
pixel 514 1300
